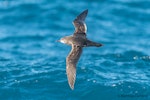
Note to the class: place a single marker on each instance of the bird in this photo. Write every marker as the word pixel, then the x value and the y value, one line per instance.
pixel 77 41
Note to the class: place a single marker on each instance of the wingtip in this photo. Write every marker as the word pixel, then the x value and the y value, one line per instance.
pixel 86 11
pixel 71 86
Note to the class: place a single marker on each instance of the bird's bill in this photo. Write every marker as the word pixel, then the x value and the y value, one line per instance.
pixel 57 40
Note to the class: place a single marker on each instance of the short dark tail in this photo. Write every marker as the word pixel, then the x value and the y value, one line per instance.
pixel 91 43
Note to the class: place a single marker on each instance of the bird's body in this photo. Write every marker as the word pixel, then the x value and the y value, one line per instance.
pixel 72 40
pixel 78 40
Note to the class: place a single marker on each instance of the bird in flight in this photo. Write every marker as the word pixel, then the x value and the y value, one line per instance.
pixel 77 41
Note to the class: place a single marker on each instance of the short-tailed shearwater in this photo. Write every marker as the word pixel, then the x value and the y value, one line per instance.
pixel 78 40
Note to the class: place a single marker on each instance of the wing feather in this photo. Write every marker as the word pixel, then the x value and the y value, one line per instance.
pixel 79 24
pixel 71 62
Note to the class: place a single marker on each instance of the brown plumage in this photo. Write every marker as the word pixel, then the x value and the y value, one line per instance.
pixel 78 40
pixel 71 62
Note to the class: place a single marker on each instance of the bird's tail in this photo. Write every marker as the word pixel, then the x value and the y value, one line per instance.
pixel 91 43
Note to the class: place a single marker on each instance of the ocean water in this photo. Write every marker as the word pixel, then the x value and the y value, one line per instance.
pixel 32 63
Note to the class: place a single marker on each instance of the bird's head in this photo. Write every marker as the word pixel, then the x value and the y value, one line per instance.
pixel 62 40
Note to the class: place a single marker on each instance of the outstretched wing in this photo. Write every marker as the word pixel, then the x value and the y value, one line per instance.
pixel 79 24
pixel 71 62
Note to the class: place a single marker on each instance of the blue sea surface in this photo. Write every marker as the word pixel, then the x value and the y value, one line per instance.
pixel 32 63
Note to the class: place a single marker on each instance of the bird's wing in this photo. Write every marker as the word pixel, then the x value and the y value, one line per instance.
pixel 79 24
pixel 71 62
